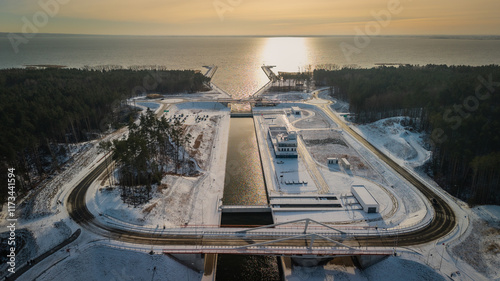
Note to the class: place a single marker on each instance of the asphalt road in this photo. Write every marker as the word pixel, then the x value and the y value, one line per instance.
pixel 443 222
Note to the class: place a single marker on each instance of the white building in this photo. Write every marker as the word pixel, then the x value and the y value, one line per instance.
pixel 284 142
pixel 345 163
pixel 332 161
pixel 296 110
pixel 365 199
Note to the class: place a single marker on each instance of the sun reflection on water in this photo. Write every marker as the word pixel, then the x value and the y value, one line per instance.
pixel 286 53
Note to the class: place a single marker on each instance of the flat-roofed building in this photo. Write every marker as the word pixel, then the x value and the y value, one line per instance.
pixel 365 198
pixel 345 163
pixel 331 161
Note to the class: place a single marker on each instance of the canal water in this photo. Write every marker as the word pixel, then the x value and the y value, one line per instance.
pixel 244 185
pixel 244 182
pixel 247 268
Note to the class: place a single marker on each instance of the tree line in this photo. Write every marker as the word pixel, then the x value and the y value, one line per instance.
pixel 44 110
pixel 457 106
pixel 287 79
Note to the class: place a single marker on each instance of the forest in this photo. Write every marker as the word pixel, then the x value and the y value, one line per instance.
pixel 152 149
pixel 44 110
pixel 457 106
pixel 285 80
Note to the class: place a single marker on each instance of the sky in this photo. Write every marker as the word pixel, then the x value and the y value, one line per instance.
pixel 252 17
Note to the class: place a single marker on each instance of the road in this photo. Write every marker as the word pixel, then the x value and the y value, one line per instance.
pixel 311 166
pixel 443 222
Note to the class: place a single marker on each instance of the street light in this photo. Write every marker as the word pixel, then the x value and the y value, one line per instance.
pixel 442 254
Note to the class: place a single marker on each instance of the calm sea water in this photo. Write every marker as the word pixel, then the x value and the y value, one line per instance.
pixel 239 58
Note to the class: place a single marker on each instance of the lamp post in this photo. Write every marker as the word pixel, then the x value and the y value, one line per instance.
pixel 442 254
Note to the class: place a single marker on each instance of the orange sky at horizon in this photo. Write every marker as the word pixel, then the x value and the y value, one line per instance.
pixel 252 17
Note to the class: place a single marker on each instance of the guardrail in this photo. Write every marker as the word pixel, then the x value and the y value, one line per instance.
pixel 280 231
pixel 323 251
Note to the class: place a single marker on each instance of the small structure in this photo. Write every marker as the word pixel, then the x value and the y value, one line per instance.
pixel 344 163
pixel 296 110
pixel 284 142
pixel 365 199
pixel 332 161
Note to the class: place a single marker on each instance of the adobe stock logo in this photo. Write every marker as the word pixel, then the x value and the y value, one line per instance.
pixel 32 26
pixel 223 6
pixel 454 117
pixel 372 28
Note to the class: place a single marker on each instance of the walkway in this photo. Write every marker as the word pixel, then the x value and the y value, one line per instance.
pixel 312 168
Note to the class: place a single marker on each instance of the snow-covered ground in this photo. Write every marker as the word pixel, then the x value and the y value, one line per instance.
pixel 47 222
pixel 401 207
pixel 180 200
pixel 396 139
pixel 470 252
pixel 286 96
pixel 39 202
pixel 43 214
pixel 479 247
pixel 94 258
pixel 107 263
pixel 390 269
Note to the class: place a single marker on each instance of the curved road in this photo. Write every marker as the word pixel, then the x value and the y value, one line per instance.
pixel 443 222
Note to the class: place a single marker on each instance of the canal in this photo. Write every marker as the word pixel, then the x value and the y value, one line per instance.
pixel 244 185
pixel 244 182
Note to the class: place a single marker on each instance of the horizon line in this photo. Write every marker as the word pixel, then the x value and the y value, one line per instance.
pixel 260 35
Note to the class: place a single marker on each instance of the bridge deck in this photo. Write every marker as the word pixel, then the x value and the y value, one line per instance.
pixel 245 209
pixel 279 251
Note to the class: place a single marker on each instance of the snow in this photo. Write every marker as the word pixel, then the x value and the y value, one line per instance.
pixel 181 200
pixel 398 140
pixel 106 263
pixel 470 252
pixel 481 247
pixel 432 261
pixel 392 268
pixel 310 120
pixel 40 201
pixel 50 224
pixel 293 170
pixel 401 206
pixel 287 96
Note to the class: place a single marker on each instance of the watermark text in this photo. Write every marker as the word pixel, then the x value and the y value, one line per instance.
pixel 11 219
pixel 372 28
pixel 31 26
pixel 454 117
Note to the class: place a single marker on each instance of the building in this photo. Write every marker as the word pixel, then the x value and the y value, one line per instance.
pixel 332 161
pixel 284 142
pixel 344 163
pixel 296 110
pixel 365 199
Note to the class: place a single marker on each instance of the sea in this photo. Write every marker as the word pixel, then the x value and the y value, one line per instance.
pixel 239 59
